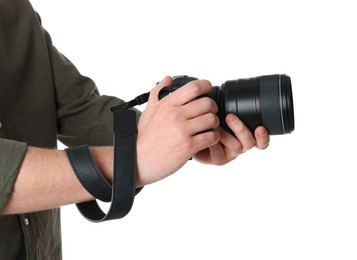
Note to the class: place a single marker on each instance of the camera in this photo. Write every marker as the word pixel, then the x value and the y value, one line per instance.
pixel 265 100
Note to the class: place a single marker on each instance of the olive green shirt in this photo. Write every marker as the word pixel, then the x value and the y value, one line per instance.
pixel 43 98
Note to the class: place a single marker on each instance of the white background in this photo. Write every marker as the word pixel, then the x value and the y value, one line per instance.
pixel 295 200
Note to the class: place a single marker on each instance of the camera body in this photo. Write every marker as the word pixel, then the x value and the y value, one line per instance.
pixel 264 100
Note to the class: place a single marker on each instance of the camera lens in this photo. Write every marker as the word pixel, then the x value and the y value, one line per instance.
pixel 265 100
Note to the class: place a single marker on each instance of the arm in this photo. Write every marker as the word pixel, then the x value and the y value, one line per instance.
pixel 46 180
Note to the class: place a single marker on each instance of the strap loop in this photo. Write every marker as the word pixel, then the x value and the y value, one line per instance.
pixel 122 192
pixel 88 173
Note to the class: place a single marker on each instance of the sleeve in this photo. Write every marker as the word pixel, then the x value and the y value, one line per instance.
pixel 11 156
pixel 83 114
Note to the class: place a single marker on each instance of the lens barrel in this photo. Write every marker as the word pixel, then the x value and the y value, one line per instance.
pixel 265 100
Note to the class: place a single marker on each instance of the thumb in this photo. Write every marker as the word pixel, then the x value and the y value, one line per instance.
pixel 154 93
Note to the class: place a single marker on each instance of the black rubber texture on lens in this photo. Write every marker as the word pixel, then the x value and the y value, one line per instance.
pixel 271 104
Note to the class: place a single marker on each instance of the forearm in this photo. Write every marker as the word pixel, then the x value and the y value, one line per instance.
pixel 46 180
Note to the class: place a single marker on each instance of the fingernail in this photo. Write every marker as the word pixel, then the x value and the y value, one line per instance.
pixel 262 131
pixel 231 118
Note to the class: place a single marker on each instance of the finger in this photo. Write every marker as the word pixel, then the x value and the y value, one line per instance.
pixel 227 149
pixel 219 155
pixel 231 145
pixel 204 140
pixel 241 131
pixel 199 107
pixel 190 91
pixel 214 154
pixel 262 137
pixel 154 93
pixel 202 123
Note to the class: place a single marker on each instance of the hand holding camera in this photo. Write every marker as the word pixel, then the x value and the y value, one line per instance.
pixel 186 117
pixel 172 130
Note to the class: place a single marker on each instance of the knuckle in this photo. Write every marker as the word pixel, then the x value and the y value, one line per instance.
pixel 214 136
pixel 214 120
pixel 198 87
pixel 210 104
pixel 206 83
pixel 195 89
pixel 175 116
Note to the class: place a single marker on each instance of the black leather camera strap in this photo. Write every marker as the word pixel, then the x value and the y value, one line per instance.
pixel 122 191
pixel 88 173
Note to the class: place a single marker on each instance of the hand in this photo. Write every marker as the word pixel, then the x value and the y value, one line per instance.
pixel 229 147
pixel 173 129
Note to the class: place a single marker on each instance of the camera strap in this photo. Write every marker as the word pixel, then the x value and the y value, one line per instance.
pixel 122 192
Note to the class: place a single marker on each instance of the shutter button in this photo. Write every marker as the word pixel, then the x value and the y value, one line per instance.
pixel 26 221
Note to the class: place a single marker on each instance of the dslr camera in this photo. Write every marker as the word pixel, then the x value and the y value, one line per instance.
pixel 264 100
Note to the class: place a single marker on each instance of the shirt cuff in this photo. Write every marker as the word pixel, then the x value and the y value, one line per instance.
pixel 11 156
